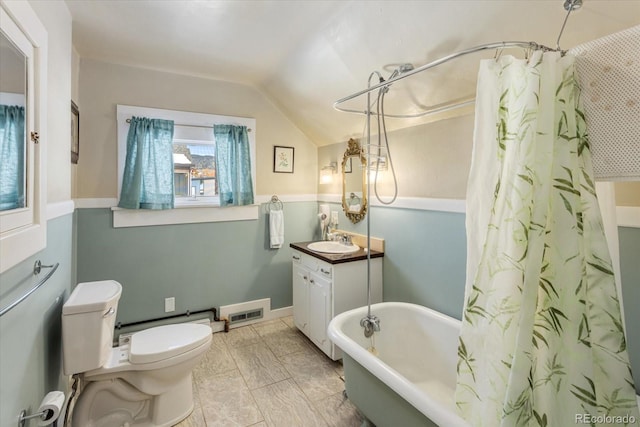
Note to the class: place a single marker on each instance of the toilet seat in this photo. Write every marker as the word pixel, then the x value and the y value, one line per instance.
pixel 164 342
pixel 191 340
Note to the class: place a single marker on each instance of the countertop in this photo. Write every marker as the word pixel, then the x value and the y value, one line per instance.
pixel 335 258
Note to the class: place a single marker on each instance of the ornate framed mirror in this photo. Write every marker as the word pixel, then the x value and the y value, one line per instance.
pixel 354 196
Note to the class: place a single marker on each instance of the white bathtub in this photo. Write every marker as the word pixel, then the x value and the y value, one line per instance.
pixel 416 363
pixel 412 380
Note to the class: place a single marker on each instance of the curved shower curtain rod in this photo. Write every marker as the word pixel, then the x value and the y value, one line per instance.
pixel 569 6
pixel 445 106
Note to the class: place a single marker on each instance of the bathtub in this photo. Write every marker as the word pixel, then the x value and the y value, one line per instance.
pixel 412 380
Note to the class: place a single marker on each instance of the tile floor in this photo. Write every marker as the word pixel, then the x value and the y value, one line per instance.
pixel 268 375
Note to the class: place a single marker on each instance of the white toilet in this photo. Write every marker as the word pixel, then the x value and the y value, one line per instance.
pixel 146 382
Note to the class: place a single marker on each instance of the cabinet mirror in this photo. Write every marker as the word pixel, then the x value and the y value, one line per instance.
pixel 13 155
pixel 23 88
pixel 354 197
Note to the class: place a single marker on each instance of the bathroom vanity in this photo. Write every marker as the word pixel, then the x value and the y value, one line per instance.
pixel 325 285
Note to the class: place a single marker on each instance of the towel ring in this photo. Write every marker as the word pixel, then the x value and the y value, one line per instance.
pixel 275 204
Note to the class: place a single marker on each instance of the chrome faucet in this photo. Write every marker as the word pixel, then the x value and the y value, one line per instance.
pixel 370 324
pixel 345 239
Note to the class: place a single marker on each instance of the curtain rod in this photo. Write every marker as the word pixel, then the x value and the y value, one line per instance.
pixel 444 106
pixel 191 126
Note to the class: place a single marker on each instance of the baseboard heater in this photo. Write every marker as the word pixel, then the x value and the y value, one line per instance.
pixel 245 313
pixel 245 316
pixel 124 330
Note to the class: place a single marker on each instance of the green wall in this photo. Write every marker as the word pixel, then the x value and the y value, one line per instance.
pixel 424 261
pixel 30 334
pixel 201 265
pixel 425 255
pixel 630 269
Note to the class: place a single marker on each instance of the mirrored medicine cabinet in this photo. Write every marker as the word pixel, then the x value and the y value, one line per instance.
pixel 23 85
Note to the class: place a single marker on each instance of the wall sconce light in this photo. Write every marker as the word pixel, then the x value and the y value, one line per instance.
pixel 327 172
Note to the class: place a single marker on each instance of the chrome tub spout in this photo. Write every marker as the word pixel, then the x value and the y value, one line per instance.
pixel 370 324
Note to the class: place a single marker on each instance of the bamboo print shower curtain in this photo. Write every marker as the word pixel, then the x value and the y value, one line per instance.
pixel 542 342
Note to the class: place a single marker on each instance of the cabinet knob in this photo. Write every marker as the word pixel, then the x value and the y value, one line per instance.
pixel 312 281
pixel 297 258
pixel 325 271
pixel 304 277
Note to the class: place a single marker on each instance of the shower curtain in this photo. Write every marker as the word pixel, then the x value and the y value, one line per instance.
pixel 542 342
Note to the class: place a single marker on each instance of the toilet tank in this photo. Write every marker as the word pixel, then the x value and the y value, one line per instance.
pixel 88 319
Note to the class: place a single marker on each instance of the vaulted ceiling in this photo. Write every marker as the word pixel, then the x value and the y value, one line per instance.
pixel 306 54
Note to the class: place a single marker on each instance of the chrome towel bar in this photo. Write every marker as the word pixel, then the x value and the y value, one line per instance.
pixel 37 267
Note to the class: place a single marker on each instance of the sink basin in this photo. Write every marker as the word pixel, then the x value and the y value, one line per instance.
pixel 333 247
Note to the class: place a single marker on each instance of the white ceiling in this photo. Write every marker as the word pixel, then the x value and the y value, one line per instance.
pixel 304 55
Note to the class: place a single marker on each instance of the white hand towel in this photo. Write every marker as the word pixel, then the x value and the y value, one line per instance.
pixel 276 229
pixel 354 208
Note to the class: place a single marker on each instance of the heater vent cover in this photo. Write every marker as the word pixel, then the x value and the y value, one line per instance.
pixel 244 316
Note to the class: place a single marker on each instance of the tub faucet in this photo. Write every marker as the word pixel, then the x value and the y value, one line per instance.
pixel 370 324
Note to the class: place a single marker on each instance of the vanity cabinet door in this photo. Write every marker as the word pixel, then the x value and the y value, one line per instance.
pixel 301 298
pixel 322 290
pixel 320 311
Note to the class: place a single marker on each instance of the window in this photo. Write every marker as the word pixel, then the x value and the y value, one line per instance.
pixel 194 173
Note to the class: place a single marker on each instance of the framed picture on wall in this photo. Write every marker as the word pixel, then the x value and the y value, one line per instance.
pixel 75 133
pixel 283 159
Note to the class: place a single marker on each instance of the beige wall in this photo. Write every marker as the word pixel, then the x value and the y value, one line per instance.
pixel 431 160
pixel 627 193
pixel 104 85
pixel 57 20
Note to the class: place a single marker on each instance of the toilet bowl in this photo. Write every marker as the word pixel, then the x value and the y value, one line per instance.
pixel 145 382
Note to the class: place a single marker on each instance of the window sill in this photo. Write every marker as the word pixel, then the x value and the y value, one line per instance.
pixel 196 204
pixel 182 215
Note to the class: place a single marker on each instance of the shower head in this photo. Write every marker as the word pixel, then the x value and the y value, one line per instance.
pixel 405 68
pixel 402 68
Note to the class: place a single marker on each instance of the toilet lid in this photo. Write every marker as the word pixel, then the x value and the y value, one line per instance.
pixel 163 342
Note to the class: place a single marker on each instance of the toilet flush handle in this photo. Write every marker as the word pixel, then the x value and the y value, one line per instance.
pixel 109 312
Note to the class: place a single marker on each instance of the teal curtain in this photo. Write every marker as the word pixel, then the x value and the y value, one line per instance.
pixel 233 165
pixel 542 341
pixel 12 157
pixel 147 182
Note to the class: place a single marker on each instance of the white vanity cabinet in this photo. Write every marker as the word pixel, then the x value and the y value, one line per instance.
pixel 322 290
